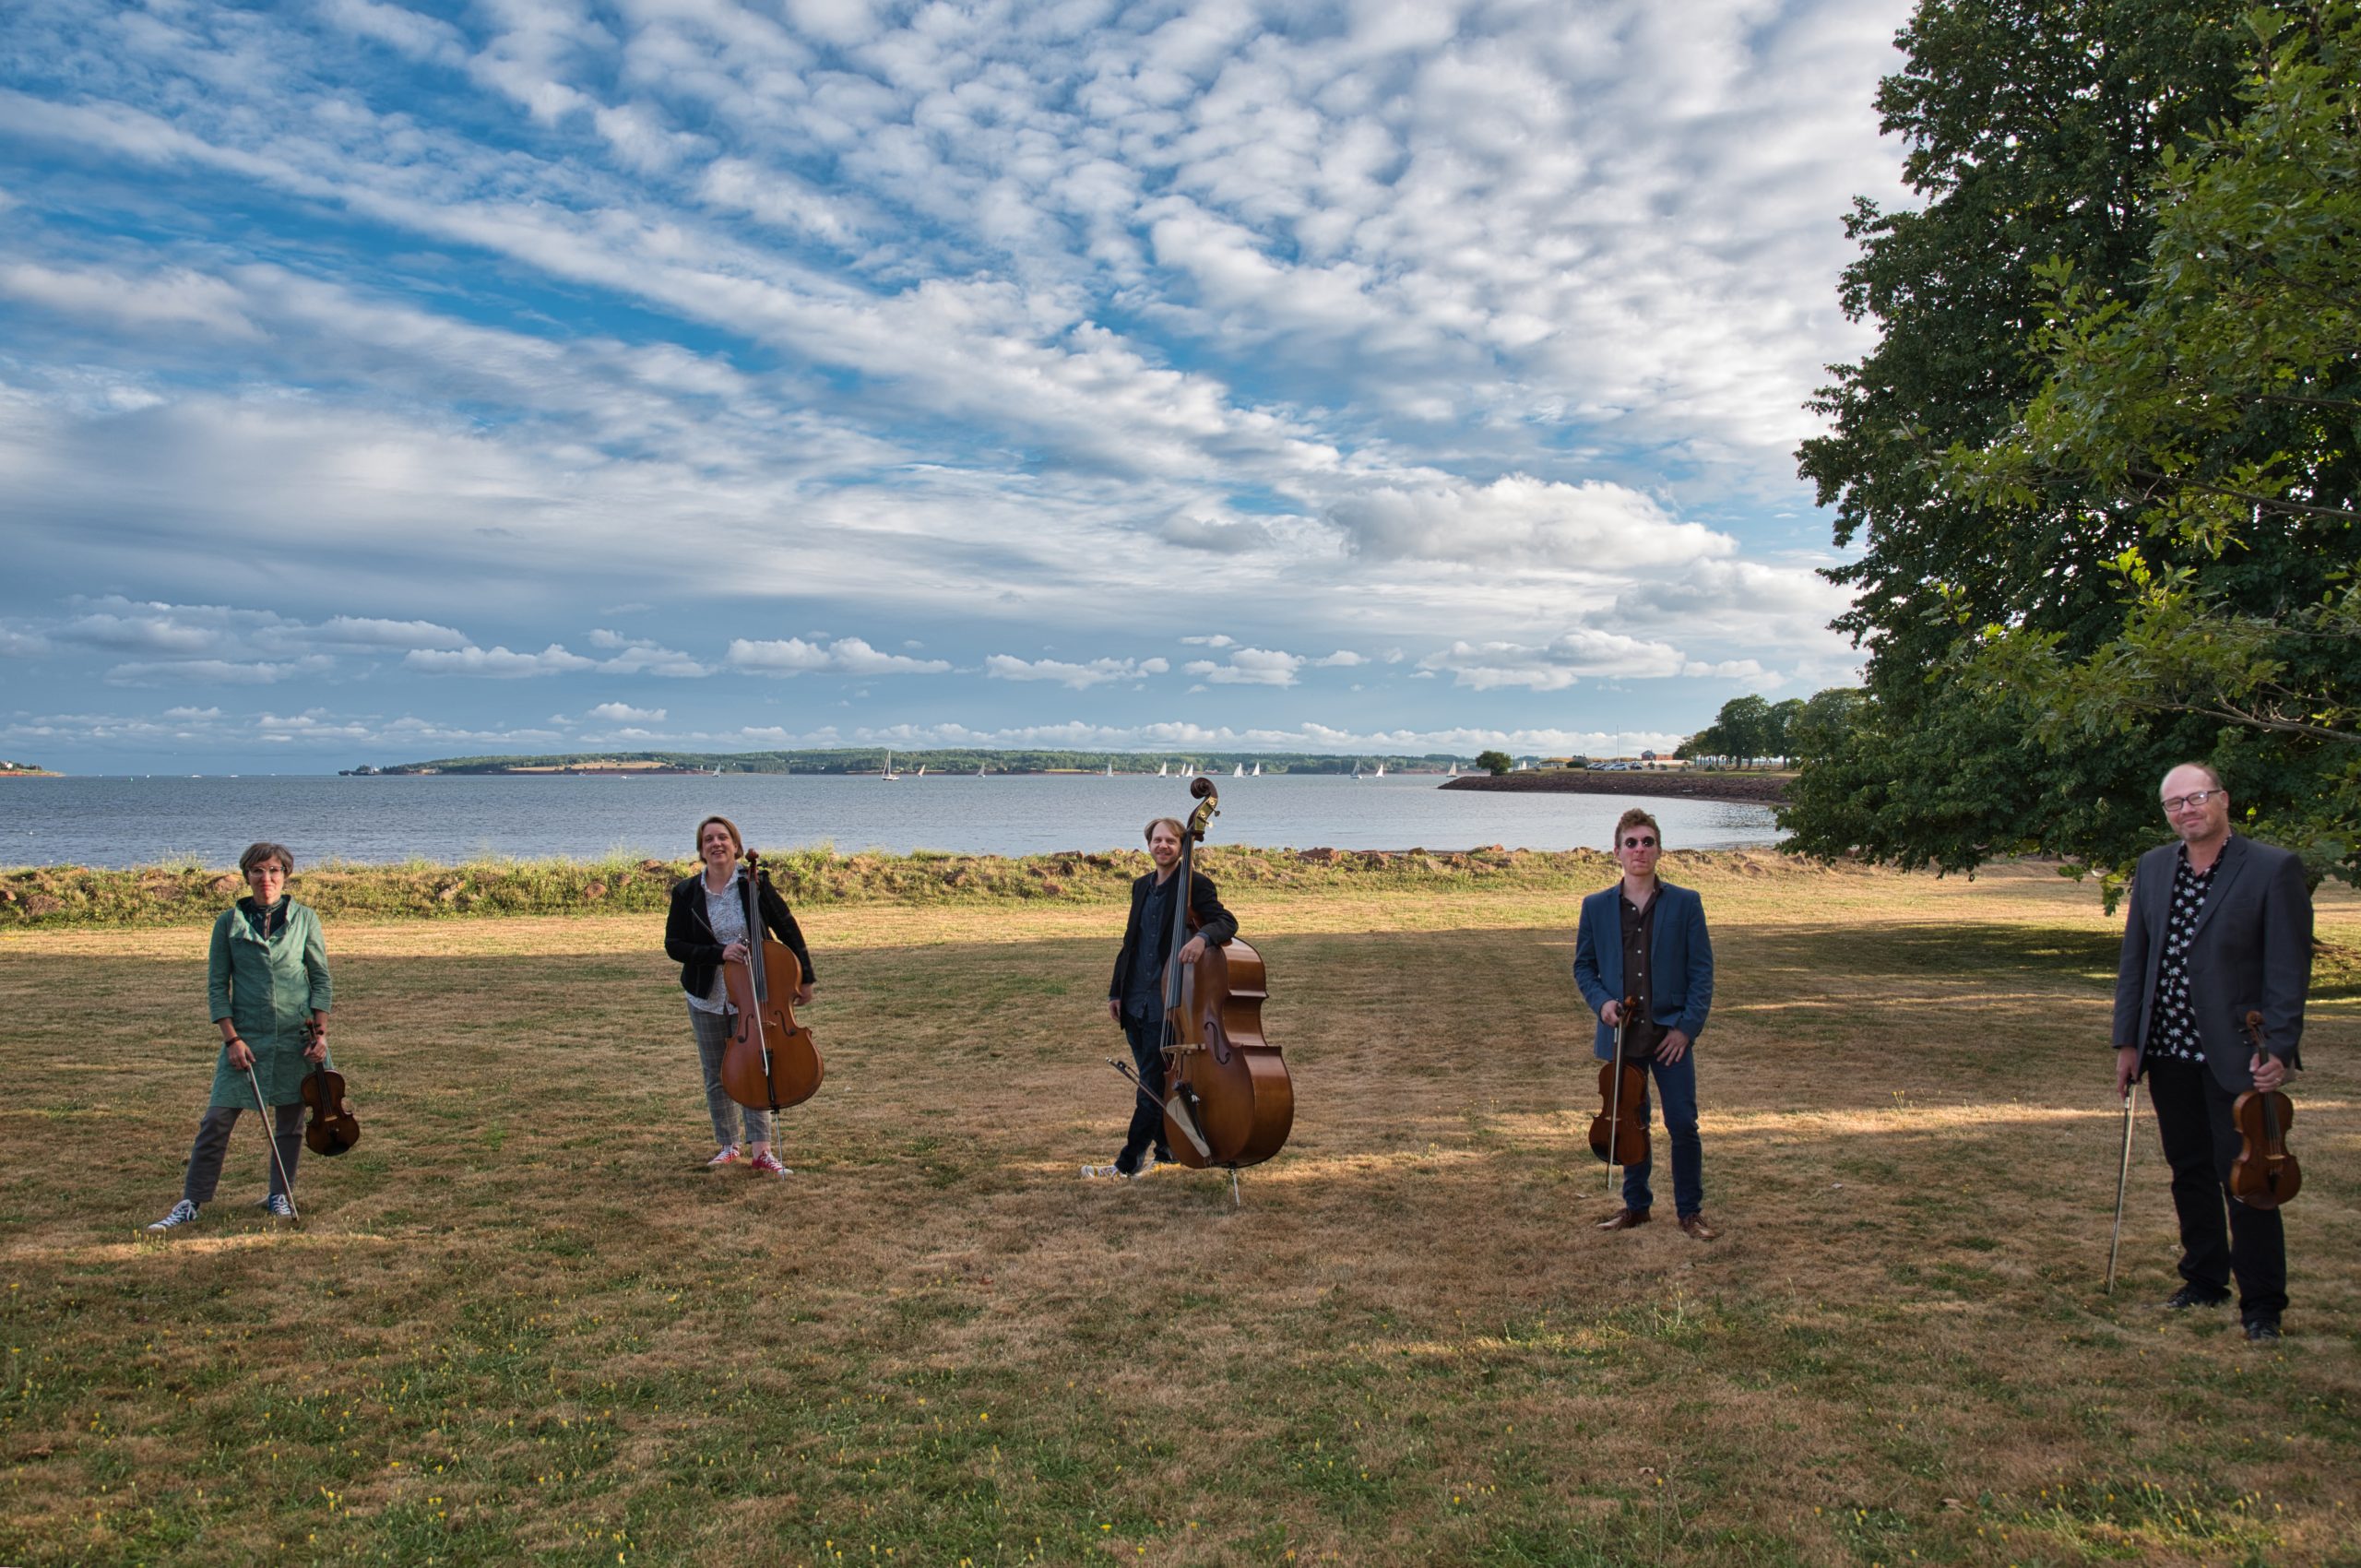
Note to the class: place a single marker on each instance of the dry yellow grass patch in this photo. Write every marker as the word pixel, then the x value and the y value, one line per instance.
pixel 522 1321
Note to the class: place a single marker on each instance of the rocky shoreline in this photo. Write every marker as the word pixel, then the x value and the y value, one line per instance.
pixel 1746 790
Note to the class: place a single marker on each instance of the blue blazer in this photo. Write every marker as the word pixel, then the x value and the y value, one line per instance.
pixel 1683 993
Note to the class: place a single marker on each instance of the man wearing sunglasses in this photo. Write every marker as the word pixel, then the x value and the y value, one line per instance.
pixel 2219 926
pixel 1646 939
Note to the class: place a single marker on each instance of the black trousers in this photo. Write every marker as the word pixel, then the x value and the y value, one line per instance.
pixel 2220 1237
pixel 1146 1037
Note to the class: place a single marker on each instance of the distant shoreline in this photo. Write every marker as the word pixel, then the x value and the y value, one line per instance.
pixel 1757 790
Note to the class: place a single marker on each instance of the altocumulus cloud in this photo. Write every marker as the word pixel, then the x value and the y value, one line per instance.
pixel 845 655
pixel 1096 672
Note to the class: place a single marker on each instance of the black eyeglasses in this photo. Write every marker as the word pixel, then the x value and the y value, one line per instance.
pixel 2194 798
pixel 1639 843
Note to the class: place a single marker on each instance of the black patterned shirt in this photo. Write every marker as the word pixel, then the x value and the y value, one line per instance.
pixel 2173 1031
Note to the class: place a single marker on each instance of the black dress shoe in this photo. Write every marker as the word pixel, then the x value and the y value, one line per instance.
pixel 2262 1328
pixel 2189 1296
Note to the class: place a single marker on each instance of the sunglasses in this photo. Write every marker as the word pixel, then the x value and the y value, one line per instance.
pixel 1639 843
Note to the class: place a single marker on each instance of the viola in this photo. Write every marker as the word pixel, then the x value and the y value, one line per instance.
pixel 1229 1100
pixel 1618 1134
pixel 332 1128
pixel 770 1062
pixel 2264 1175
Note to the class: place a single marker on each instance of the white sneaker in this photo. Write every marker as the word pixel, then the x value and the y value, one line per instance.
pixel 726 1157
pixel 184 1213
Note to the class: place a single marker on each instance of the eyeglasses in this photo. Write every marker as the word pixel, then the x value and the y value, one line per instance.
pixel 2177 803
pixel 1639 843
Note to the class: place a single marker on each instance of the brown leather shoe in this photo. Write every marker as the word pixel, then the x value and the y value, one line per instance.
pixel 1694 1225
pixel 1624 1219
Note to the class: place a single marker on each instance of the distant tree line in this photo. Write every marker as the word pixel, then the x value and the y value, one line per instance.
pixel 871 759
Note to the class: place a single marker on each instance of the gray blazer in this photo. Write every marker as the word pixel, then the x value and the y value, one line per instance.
pixel 2253 949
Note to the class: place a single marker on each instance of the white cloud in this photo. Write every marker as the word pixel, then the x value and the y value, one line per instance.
pixel 1567 659
pixel 1343 659
pixel 1250 667
pixel 1098 671
pixel 497 663
pixel 845 655
pixel 1590 525
pixel 623 713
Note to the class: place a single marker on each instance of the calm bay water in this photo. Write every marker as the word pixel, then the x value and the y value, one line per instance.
pixel 137 821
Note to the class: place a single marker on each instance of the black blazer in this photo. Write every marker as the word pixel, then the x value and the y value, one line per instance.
pixel 1216 924
pixel 2252 949
pixel 689 939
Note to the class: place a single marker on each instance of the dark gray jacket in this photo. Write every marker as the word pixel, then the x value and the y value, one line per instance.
pixel 2252 950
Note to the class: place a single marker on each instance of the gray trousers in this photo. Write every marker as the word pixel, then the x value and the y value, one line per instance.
pixel 213 1143
pixel 713 1039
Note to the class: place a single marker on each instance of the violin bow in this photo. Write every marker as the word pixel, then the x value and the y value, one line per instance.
pixel 1615 1100
pixel 271 1135
pixel 2122 1179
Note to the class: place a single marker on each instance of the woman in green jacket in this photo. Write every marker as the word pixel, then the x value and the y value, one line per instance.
pixel 267 980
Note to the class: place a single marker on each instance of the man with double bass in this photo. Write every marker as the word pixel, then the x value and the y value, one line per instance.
pixel 2219 926
pixel 1135 996
pixel 1646 939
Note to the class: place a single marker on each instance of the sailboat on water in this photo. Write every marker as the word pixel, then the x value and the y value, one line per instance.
pixel 1110 770
pixel 1238 770
pixel 890 775
pixel 1258 771
pixel 1161 768
pixel 921 770
pixel 1380 770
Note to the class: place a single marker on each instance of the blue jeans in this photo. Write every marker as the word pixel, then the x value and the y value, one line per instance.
pixel 1676 1087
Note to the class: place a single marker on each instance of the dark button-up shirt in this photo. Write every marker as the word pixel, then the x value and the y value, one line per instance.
pixel 1639 941
pixel 2172 1031
pixel 1143 992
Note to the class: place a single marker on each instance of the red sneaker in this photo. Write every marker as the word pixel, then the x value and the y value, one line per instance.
pixel 767 1164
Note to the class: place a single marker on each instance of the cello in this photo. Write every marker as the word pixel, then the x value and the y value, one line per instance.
pixel 1229 1100
pixel 770 1062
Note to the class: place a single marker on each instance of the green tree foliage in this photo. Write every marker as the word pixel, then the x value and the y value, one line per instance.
pixel 1495 763
pixel 1823 721
pixel 2034 131
pixel 2224 402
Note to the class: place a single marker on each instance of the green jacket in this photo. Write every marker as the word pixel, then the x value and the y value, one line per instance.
pixel 269 990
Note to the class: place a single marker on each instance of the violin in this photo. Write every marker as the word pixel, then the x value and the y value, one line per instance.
pixel 332 1128
pixel 2264 1175
pixel 1618 1134
pixel 770 1062
pixel 1229 1100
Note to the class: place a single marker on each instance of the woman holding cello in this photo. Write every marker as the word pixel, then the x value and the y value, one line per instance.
pixel 705 930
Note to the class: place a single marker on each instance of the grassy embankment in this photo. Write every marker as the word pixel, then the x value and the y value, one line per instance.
pixel 520 1321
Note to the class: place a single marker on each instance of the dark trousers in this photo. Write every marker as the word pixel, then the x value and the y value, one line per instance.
pixel 1146 1131
pixel 213 1143
pixel 1676 1085
pixel 2220 1237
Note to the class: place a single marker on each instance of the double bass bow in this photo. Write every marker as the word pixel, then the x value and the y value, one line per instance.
pixel 770 1062
pixel 1229 1100
pixel 2264 1175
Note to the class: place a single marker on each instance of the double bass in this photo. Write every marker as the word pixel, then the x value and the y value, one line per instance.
pixel 1227 1099
pixel 770 1062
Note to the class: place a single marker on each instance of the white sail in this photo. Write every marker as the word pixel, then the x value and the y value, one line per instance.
pixel 1110 770
pixel 1161 769
pixel 1238 770
pixel 1380 770
pixel 1257 770
pixel 890 773
pixel 921 770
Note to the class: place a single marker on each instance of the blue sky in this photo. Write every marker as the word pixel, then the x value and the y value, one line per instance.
pixel 381 381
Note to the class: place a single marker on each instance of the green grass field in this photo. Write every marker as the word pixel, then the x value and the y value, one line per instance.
pixel 521 1323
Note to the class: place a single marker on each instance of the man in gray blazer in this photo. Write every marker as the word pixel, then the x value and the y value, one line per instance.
pixel 2219 926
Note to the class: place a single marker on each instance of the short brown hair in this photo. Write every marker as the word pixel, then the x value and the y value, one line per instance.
pixel 266 851
pixel 1179 829
pixel 1635 818
pixel 738 842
